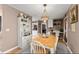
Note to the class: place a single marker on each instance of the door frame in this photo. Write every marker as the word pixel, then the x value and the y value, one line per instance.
pixel 46 27
pixel 66 27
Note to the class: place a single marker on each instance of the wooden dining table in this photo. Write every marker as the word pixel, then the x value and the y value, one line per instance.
pixel 50 41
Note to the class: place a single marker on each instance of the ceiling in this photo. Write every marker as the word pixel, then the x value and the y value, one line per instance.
pixel 35 10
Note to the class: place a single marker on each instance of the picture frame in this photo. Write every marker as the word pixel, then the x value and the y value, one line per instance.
pixel 74 14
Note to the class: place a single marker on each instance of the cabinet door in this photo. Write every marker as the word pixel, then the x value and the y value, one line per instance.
pixel 26 42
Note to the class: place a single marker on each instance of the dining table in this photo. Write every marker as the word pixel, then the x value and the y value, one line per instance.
pixel 49 41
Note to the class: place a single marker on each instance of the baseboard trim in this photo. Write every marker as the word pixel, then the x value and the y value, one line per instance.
pixel 69 49
pixel 10 49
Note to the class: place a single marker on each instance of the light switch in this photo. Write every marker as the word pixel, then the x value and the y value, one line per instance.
pixel 7 30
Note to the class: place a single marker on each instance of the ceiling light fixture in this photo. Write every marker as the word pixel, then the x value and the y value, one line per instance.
pixel 44 15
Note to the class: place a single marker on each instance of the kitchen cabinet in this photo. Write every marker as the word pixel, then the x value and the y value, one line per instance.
pixel 24 31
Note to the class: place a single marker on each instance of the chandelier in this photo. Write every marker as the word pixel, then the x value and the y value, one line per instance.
pixel 44 15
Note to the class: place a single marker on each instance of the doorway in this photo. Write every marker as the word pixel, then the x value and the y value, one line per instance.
pixel 65 28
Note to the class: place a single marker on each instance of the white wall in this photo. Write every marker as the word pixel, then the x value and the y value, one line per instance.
pixel 73 37
pixel 0 10
pixel 35 19
pixel 8 36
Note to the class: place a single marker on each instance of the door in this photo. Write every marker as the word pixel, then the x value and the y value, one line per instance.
pixel 43 28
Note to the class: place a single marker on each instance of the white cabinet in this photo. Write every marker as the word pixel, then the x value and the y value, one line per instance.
pixel 26 42
pixel 24 31
pixel 50 23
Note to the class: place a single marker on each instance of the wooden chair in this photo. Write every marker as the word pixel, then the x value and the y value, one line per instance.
pixel 38 48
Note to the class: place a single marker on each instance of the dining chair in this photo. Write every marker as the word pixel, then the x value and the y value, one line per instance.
pixel 38 48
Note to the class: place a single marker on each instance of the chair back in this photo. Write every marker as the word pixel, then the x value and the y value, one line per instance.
pixel 38 48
